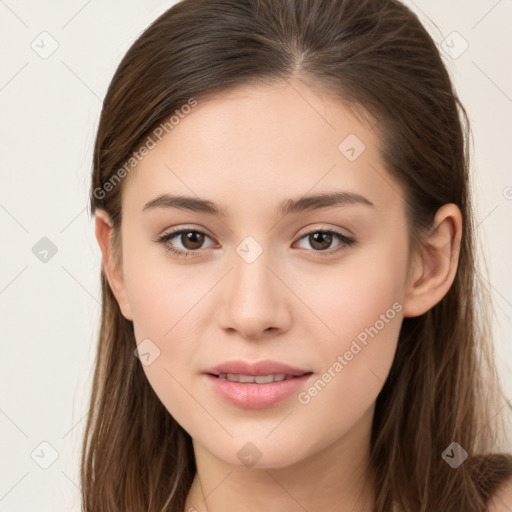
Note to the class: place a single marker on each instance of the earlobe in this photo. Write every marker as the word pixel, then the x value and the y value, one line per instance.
pixel 436 265
pixel 111 269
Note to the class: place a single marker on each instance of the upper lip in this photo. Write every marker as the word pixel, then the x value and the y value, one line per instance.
pixel 265 367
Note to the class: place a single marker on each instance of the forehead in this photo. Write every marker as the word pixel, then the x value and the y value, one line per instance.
pixel 272 141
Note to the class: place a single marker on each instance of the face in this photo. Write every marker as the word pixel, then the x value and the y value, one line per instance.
pixel 319 288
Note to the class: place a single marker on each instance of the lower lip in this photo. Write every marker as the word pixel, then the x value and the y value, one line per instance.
pixel 251 395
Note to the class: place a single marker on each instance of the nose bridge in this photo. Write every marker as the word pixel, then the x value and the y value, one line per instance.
pixel 252 279
pixel 255 297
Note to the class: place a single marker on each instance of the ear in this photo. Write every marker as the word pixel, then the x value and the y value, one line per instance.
pixel 114 274
pixel 435 267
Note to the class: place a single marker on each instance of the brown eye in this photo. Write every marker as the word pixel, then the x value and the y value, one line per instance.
pixel 192 240
pixel 320 240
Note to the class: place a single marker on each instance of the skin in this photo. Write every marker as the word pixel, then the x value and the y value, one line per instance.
pixel 502 499
pixel 247 151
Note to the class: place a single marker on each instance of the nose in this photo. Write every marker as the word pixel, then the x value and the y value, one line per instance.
pixel 256 301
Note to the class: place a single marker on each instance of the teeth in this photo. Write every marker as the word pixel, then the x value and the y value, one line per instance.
pixel 264 379
pixel 259 379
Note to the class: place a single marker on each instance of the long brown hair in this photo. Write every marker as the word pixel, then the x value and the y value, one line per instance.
pixel 443 387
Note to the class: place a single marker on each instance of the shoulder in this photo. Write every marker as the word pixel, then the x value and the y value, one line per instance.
pixel 501 501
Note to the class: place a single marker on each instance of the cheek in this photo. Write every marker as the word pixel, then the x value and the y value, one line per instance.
pixel 366 319
pixel 160 292
pixel 162 307
pixel 361 315
pixel 165 311
pixel 165 300
pixel 365 289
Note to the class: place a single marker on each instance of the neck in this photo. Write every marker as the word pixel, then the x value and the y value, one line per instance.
pixel 338 477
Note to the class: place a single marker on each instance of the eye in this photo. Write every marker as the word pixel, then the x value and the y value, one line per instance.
pixel 192 240
pixel 321 240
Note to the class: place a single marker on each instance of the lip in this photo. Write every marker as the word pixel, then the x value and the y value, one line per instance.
pixel 265 367
pixel 251 395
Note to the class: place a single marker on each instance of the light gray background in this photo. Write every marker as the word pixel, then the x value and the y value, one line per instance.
pixel 49 112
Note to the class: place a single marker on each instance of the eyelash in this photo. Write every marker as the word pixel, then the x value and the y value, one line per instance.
pixel 164 239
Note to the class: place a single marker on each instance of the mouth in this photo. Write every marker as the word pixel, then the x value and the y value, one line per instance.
pixel 239 370
pixel 257 379
pixel 256 385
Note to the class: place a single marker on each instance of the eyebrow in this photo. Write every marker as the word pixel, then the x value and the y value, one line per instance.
pixel 287 207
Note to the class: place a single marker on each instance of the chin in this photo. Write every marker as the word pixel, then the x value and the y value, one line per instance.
pixel 259 454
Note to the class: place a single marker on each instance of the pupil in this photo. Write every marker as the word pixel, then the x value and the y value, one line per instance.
pixel 319 240
pixel 193 240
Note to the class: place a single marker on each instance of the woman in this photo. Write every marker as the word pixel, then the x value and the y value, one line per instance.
pixel 282 203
